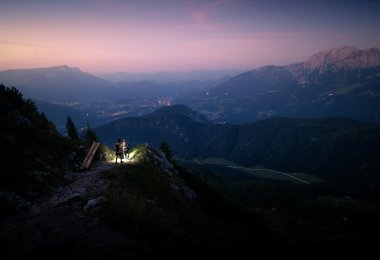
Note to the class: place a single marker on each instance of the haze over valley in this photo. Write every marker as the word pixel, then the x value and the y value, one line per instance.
pixel 340 82
pixel 189 129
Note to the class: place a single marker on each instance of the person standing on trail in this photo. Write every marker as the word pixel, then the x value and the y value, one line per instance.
pixel 119 150
pixel 125 149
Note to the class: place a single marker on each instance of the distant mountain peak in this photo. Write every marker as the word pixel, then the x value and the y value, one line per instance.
pixel 62 82
pixel 180 110
pixel 343 57
pixel 64 68
pixel 61 67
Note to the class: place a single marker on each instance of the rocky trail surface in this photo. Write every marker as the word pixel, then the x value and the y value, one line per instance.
pixel 60 225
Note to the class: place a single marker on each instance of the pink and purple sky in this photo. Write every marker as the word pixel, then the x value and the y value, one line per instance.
pixel 105 36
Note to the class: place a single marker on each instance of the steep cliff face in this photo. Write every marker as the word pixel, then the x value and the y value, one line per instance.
pixel 336 64
pixel 343 57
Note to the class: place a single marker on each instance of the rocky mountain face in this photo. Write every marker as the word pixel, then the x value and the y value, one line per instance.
pixel 343 81
pixel 343 57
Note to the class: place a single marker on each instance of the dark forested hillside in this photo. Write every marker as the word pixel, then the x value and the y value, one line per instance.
pixel 31 150
pixel 340 150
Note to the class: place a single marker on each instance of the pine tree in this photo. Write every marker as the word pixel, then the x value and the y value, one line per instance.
pixel 71 130
pixel 165 148
pixel 90 136
pixel 44 118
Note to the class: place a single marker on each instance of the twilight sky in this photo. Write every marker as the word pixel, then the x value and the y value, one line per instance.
pixel 105 36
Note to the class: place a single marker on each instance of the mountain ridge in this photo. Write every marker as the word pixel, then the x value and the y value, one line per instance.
pixel 180 110
pixel 344 57
pixel 55 83
pixel 172 76
pixel 342 81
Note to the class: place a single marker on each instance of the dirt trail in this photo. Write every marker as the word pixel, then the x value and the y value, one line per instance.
pixel 59 225
pixel 83 184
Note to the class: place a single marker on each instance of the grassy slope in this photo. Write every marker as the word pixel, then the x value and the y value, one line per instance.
pixel 261 172
pixel 143 202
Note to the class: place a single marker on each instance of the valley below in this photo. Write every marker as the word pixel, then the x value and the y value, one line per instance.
pixel 222 164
